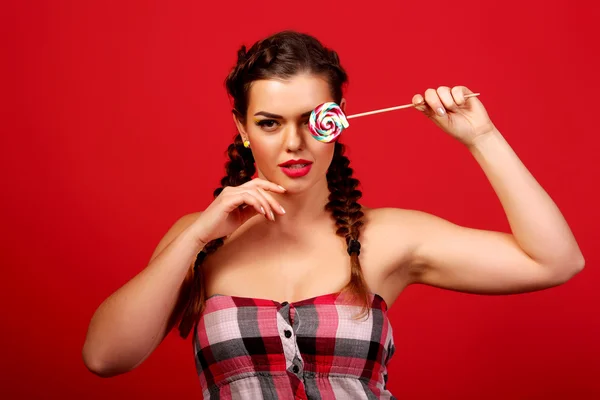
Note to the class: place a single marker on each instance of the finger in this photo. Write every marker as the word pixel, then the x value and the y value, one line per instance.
pixel 258 193
pixel 266 185
pixel 419 102
pixel 422 105
pixel 445 96
pixel 237 199
pixel 433 101
pixel 458 93
pixel 272 202
pixel 263 204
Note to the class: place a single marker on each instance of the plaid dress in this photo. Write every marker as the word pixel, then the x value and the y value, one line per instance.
pixel 248 348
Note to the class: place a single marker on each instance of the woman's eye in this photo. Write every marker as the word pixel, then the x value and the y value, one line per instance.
pixel 267 123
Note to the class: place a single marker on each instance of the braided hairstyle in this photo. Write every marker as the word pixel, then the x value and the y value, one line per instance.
pixel 283 55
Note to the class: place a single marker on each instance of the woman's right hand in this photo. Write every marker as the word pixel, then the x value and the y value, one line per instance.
pixel 224 215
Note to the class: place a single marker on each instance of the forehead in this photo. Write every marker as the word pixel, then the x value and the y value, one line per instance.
pixel 290 97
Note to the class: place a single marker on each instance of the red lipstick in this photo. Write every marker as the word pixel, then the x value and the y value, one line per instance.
pixel 296 168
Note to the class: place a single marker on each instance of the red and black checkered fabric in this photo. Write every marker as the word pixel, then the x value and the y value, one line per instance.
pixel 248 348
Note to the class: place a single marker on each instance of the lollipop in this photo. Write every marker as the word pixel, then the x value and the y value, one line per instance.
pixel 327 120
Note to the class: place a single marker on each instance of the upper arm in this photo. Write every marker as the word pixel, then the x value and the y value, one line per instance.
pixel 454 257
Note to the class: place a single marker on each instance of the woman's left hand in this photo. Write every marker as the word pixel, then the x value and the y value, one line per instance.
pixel 463 118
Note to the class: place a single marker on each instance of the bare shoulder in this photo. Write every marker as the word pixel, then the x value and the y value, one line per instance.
pixel 409 224
pixel 396 213
pixel 181 224
pixel 398 235
pixel 395 222
pixel 384 214
pixel 388 235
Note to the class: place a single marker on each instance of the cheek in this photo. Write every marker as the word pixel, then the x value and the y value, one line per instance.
pixel 323 152
pixel 265 155
pixel 261 154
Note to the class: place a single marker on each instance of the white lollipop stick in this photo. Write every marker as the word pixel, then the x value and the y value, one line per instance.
pixel 397 108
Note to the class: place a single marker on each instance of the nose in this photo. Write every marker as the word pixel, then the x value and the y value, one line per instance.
pixel 294 139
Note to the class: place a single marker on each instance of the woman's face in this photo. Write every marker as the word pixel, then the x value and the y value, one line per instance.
pixel 277 128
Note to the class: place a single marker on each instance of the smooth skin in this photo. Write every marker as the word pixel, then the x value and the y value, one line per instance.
pixel 282 245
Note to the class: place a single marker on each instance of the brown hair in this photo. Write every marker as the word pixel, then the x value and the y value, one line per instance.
pixel 283 55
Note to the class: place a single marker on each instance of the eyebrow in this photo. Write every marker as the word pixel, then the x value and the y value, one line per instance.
pixel 275 116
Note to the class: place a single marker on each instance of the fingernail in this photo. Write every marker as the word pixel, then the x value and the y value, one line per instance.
pixel 282 188
pixel 272 215
pixel 262 209
pixel 282 209
pixel 441 112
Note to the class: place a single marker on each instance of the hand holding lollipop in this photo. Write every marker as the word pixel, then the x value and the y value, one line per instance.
pixel 327 121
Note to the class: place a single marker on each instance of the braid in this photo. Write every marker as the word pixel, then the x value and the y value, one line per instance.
pixel 346 211
pixel 238 81
pixel 240 169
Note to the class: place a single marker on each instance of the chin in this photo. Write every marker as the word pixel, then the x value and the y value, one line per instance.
pixel 295 184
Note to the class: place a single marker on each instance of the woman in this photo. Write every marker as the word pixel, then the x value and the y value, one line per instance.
pixel 292 279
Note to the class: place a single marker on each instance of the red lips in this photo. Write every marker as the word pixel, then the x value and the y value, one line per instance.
pixel 293 162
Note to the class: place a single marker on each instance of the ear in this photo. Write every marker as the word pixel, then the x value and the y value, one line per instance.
pixel 343 105
pixel 240 125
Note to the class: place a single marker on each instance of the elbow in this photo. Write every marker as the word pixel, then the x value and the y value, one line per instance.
pixel 96 364
pixel 579 265
pixel 571 269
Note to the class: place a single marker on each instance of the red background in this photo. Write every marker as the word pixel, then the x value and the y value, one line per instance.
pixel 115 123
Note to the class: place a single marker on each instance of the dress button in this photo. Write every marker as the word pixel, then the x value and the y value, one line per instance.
pixel 287 334
pixel 295 369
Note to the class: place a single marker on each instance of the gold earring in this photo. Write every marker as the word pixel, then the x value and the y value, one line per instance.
pixel 246 143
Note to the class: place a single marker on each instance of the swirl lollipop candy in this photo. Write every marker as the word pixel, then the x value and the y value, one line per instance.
pixel 327 120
